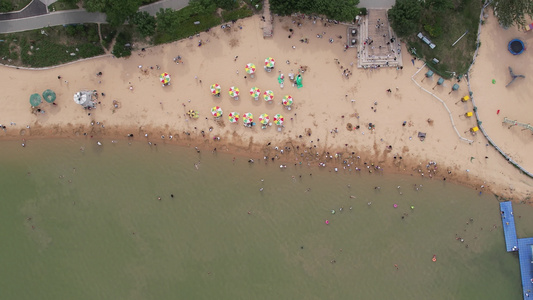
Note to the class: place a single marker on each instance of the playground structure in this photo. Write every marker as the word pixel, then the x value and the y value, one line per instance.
pixel 513 76
pixel 516 123
pixel 516 47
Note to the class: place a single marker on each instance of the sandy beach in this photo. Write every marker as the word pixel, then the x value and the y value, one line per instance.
pixel 324 108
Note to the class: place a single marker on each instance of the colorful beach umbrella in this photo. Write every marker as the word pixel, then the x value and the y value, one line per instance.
pixel 35 100
pixel 278 119
pixel 264 119
pixel 216 111
pixel 164 78
pixel 233 117
pixel 215 89
pixel 269 62
pixel 248 118
pixel 287 100
pixel 234 92
pixel 255 92
pixel 49 96
pixel 268 95
pixel 250 68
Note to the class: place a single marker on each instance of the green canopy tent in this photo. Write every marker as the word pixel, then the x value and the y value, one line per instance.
pixel 49 96
pixel 35 100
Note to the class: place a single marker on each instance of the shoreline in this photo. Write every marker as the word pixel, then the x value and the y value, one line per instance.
pixel 324 117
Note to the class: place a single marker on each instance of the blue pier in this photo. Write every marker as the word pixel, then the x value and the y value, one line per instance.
pixel 523 246
pixel 509 229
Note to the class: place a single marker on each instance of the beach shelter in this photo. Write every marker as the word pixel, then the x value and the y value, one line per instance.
pixel 234 92
pixel 440 81
pixel 469 114
pixel 264 119
pixel 85 98
pixel 287 101
pixel 233 117
pixel 215 89
pixel 164 78
pixel 193 114
pixel 429 74
pixel 465 98
pixel 216 111
pixel 248 118
pixel 269 64
pixel 268 95
pixel 250 69
pixel 278 119
pixel 474 129
pixel 35 99
pixel 49 96
pixel 455 87
pixel 255 92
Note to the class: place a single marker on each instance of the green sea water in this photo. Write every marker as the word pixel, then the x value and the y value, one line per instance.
pixel 89 225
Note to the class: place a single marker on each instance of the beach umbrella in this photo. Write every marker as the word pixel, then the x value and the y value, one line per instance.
pixel 233 117
pixel 264 119
pixel 248 118
pixel 268 95
pixel 35 99
pixel 215 89
pixel 278 119
pixel 49 96
pixel 255 92
pixel 250 68
pixel 234 92
pixel 164 78
pixel 193 114
pixel 216 111
pixel 287 101
pixel 269 62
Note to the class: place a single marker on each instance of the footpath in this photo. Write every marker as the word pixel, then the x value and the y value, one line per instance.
pixel 20 21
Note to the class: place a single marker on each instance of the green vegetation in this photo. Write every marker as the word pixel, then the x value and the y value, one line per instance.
pixel 145 23
pixel 63 44
pixel 58 45
pixel 13 5
pixel 236 14
pixel 63 5
pixel 255 5
pixel 117 11
pixel 512 12
pixel 122 47
pixel 340 10
pixel 443 22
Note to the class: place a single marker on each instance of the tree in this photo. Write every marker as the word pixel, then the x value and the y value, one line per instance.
pixel 404 16
pixel 202 6
pixel 117 11
pixel 145 23
pixel 166 18
pixel 341 10
pixel 513 12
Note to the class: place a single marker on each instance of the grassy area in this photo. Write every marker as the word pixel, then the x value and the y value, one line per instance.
pixel 13 5
pixel 185 27
pixel 108 34
pixel 62 5
pixel 256 5
pixel 451 58
pixel 236 14
pixel 58 45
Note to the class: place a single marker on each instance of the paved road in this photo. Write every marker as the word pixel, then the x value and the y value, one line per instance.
pixel 35 8
pixel 76 16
